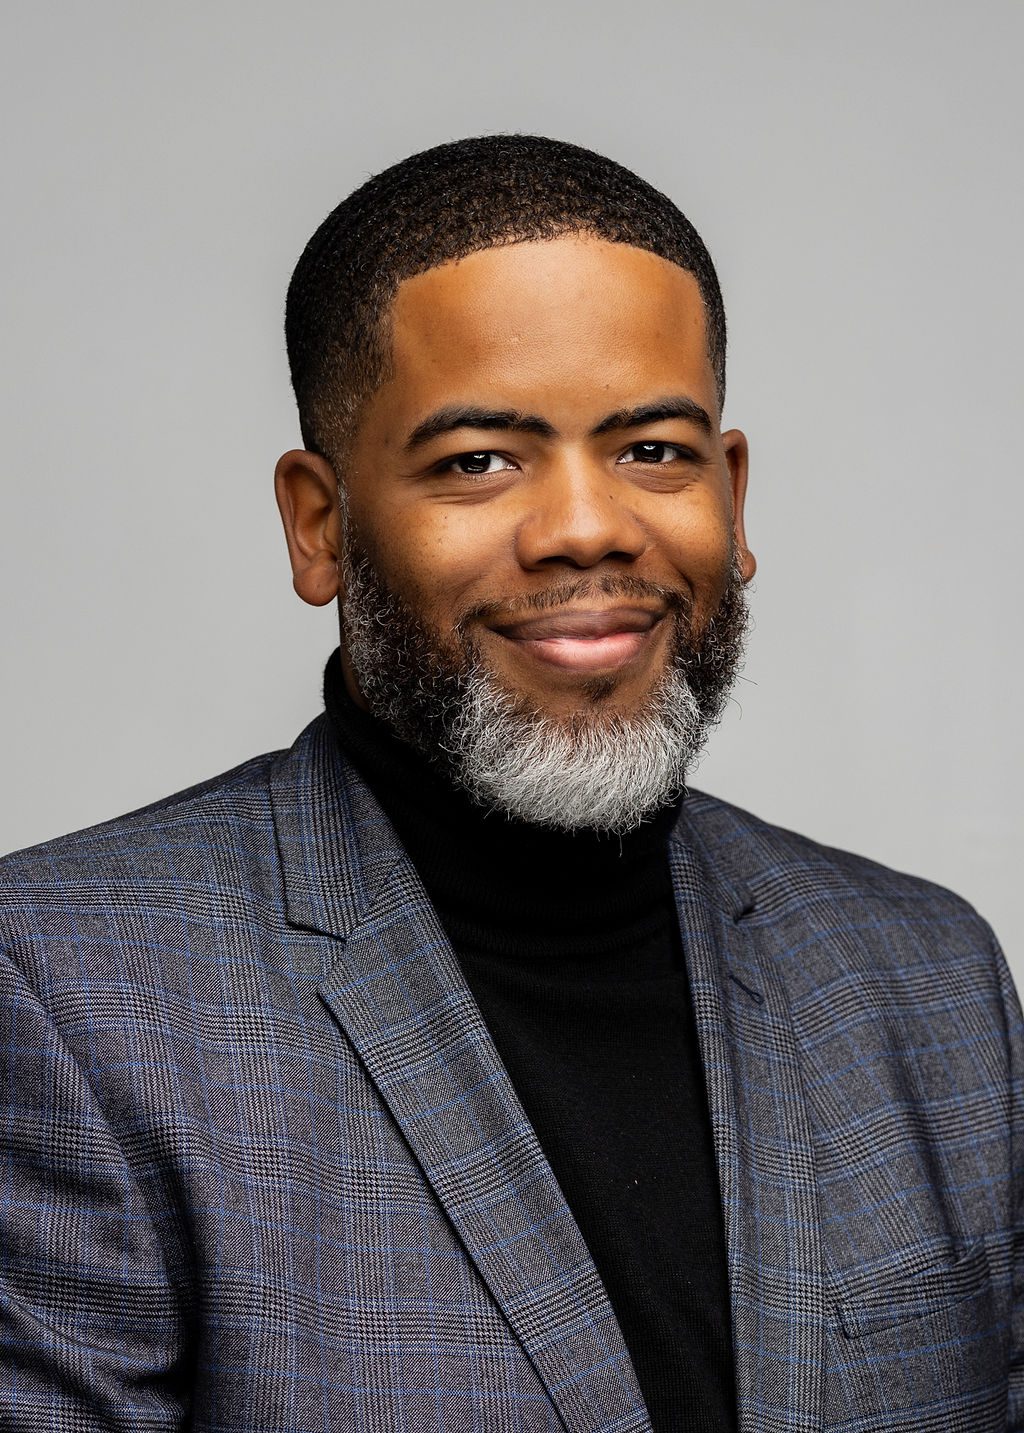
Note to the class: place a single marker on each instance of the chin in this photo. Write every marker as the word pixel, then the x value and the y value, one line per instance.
pixel 611 694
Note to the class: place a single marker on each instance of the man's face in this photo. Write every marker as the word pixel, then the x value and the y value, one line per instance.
pixel 540 553
pixel 542 482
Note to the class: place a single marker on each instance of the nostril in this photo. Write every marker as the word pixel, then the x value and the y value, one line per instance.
pixel 581 564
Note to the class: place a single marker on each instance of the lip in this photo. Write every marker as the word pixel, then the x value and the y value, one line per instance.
pixel 585 639
pixel 581 623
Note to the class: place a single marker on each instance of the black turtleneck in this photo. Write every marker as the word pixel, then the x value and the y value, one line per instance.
pixel 571 947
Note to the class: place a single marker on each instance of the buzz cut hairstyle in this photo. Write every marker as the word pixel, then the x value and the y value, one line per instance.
pixel 438 206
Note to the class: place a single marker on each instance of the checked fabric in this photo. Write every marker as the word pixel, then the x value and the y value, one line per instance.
pixel 261 1167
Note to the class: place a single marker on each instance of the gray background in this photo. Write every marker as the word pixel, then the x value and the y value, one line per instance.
pixel 854 170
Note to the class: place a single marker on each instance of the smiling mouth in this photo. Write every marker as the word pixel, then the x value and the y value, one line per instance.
pixel 585 640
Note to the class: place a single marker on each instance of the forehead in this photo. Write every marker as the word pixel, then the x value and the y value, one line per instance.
pixel 573 315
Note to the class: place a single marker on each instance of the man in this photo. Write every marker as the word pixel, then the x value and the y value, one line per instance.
pixel 452 1070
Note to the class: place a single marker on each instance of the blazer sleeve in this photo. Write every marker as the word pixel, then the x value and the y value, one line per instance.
pixel 1015 1043
pixel 91 1323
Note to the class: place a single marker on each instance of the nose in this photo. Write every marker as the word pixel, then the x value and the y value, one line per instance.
pixel 578 516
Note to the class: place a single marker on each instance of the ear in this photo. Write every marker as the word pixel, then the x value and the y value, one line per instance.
pixel 737 457
pixel 307 497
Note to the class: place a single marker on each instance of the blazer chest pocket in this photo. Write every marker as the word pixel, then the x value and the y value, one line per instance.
pixel 929 1352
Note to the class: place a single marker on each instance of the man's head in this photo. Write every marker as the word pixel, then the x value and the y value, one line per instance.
pixel 538 540
pixel 434 208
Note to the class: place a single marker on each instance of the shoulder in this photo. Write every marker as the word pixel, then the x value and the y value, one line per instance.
pixel 145 880
pixel 779 874
pixel 215 809
pixel 847 933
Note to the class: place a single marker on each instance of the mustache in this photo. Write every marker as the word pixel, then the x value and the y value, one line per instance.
pixel 578 590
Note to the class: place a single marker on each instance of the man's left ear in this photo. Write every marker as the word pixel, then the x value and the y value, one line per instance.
pixel 737 455
pixel 307 498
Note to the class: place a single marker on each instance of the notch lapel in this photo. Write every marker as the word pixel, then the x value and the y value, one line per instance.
pixel 398 992
pixel 763 1146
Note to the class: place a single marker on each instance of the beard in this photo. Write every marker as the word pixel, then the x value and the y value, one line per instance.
pixel 594 769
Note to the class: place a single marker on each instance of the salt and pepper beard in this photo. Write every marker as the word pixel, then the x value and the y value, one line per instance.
pixel 594 770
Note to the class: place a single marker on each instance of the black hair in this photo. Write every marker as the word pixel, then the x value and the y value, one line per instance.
pixel 438 206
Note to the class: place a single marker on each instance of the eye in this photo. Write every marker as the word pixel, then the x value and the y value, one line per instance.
pixel 655 453
pixel 478 464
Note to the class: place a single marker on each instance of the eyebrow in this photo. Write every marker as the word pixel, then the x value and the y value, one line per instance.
pixel 657 412
pixel 502 420
pixel 510 420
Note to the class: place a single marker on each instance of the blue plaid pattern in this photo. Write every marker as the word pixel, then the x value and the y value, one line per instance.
pixel 262 1168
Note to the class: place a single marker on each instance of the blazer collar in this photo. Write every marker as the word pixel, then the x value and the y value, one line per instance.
pixel 396 989
pixel 763 1140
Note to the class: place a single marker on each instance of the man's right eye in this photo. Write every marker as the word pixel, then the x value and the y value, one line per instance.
pixel 478 464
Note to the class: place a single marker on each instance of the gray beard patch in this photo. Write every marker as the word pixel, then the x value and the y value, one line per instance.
pixel 594 770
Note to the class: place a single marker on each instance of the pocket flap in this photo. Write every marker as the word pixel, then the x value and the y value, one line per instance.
pixel 917 1297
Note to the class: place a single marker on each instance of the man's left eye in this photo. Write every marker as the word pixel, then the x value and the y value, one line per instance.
pixel 478 464
pixel 652 453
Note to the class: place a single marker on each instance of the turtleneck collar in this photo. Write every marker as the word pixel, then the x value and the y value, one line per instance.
pixel 500 884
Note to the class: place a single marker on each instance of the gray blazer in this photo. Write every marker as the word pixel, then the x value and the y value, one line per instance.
pixel 262 1168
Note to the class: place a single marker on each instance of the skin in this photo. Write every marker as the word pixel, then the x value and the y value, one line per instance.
pixel 569 331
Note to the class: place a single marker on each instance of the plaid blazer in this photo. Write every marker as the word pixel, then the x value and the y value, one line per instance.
pixel 261 1167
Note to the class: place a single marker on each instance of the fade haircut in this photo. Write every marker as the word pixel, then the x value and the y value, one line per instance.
pixel 438 206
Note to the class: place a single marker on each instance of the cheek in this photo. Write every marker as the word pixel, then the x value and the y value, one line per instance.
pixel 698 541
pixel 469 540
pixel 441 559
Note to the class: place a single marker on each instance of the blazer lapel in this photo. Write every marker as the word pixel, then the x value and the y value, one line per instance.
pixel 763 1145
pixel 397 991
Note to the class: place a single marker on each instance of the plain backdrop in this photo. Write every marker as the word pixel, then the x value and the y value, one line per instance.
pixel 854 170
